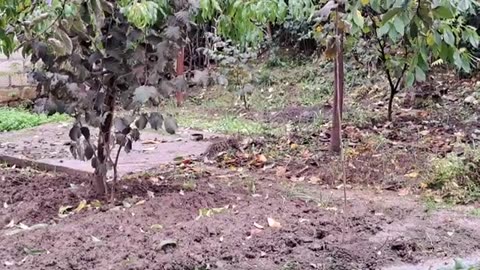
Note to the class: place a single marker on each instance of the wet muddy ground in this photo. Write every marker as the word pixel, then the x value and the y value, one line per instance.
pixel 216 221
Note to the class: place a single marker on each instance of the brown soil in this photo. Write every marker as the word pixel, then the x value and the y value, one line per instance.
pixel 380 229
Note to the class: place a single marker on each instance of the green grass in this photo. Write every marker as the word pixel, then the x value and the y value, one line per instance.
pixel 475 212
pixel 459 265
pixel 228 124
pixel 16 119
pixel 456 179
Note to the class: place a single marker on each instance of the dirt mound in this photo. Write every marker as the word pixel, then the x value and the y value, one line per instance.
pixel 217 224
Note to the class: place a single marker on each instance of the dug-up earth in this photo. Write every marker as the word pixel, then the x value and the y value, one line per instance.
pixel 194 216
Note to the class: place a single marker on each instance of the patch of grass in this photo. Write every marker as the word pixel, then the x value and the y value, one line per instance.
pixel 456 179
pixel 431 205
pixel 317 93
pixel 228 124
pixel 291 265
pixel 16 119
pixel 475 212
pixel 308 195
pixel 361 117
pixel 459 265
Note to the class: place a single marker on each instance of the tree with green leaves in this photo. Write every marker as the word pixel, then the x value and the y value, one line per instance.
pixel 91 56
pixel 411 36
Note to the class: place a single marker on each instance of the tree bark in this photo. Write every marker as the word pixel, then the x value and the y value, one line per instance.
pixel 103 150
pixel 180 95
pixel 390 105
pixel 336 134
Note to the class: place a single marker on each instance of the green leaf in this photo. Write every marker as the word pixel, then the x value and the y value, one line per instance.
pixel 383 30
pixel 392 12
pixel 419 74
pixel 448 37
pixel 464 5
pixel 358 18
pixel 442 12
pixel 399 25
pixel 410 79
pixel 393 34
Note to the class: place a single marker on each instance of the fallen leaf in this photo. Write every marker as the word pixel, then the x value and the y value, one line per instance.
pixel 10 224
pixel 96 204
pixel 34 251
pixel 169 243
pixel 140 202
pixel 403 192
pixel 314 180
pixel 341 186
pixel 95 239
pixel 413 174
pixel 261 158
pixel 303 220
pixel 297 179
pixel 156 227
pixel 281 171
pixel 150 142
pixel 80 206
pixel 273 223
pixel 258 225
pixel 63 211
pixel 424 132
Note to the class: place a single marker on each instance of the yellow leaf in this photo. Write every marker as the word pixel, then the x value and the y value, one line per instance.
pixel 64 211
pixel 430 39
pixel 413 174
pixel 80 206
pixel 261 158
pixel 293 146
pixel 96 204
pixel 258 226
pixel 272 223
pixel 156 227
pixel 365 2
pixel 140 202
pixel 330 50
pixel 318 29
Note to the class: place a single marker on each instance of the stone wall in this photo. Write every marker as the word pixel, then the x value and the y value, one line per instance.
pixel 12 71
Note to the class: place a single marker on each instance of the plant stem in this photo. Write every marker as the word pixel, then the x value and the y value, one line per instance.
pixel 115 173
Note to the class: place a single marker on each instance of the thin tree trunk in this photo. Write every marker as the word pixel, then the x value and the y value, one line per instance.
pixel 390 104
pixel 180 95
pixel 336 136
pixel 103 152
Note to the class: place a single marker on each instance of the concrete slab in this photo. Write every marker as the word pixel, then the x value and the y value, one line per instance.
pixel 44 146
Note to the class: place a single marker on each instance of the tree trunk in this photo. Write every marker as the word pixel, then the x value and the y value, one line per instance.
pixel 390 105
pixel 103 150
pixel 180 95
pixel 336 134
